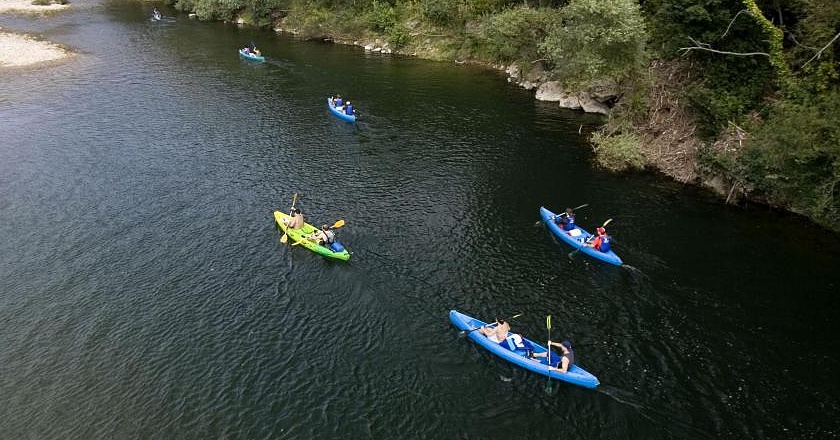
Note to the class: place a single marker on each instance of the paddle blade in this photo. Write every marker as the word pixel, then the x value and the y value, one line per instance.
pixel 606 223
pixel 548 322
pixel 338 224
pixel 284 238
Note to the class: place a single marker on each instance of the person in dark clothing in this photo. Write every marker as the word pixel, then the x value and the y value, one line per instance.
pixel 563 362
pixel 566 220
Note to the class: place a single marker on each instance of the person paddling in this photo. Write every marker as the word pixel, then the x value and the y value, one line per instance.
pixel 602 241
pixel 564 361
pixel 324 237
pixel 497 331
pixel 297 220
pixel 566 220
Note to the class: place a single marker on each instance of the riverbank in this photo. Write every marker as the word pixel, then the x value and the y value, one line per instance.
pixel 18 50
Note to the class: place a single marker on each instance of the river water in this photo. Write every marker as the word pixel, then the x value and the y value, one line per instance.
pixel 144 291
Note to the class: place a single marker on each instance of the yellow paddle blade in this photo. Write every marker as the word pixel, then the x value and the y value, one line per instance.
pixel 284 238
pixel 548 322
pixel 606 223
pixel 338 224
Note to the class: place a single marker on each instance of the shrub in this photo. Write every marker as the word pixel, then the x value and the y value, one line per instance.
pixel 618 152
pixel 513 34
pixel 381 17
pixel 398 36
pixel 797 157
pixel 439 12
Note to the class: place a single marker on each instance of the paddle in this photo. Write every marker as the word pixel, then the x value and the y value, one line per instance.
pixel 562 214
pixel 548 354
pixel 588 239
pixel 285 237
pixel 466 332
pixel 336 225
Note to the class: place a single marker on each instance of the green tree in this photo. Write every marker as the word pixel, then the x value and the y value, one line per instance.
pixel 513 34
pixel 597 40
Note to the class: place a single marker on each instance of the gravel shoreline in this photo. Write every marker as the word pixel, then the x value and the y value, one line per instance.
pixel 18 50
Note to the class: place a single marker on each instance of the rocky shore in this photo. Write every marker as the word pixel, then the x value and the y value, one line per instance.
pixel 19 50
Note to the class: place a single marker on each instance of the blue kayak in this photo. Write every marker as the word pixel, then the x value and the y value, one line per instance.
pixel 577 237
pixel 251 56
pixel 575 375
pixel 339 113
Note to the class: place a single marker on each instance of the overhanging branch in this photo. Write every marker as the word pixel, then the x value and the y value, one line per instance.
pixel 707 48
pixel 819 53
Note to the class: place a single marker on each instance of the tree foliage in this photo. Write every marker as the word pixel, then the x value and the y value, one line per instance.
pixel 596 40
pixel 513 34
pixel 794 157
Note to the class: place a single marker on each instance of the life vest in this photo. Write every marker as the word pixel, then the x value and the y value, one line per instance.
pixel 570 222
pixel 338 102
pixel 605 243
pixel 348 109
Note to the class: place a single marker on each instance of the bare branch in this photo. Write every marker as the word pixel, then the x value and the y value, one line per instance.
pixel 707 48
pixel 819 53
pixel 796 42
pixel 733 21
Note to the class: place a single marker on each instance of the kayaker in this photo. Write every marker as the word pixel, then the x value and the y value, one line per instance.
pixel 566 220
pixel 297 220
pixel 498 332
pixel 348 108
pixel 601 242
pixel 324 237
pixel 564 361
pixel 338 102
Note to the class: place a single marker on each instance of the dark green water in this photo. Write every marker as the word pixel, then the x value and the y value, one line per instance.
pixel 144 292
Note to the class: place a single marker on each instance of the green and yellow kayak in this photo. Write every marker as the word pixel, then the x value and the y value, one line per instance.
pixel 298 237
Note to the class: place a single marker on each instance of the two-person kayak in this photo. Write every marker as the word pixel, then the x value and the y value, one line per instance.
pixel 300 237
pixel 577 238
pixel 339 112
pixel 247 54
pixel 575 375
